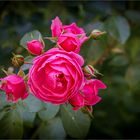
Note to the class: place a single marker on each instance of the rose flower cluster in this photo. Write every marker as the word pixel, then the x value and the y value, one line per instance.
pixel 58 75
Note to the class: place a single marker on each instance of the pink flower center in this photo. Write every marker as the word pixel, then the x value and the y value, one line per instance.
pixel 56 81
pixel 60 80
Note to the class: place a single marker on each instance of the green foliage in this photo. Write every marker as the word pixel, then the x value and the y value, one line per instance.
pixel 52 130
pixel 118 27
pixel 132 76
pixel 76 123
pixel 28 118
pixel 32 104
pixel 48 112
pixel 12 125
pixel 25 66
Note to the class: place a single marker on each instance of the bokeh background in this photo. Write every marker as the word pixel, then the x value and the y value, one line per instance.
pixel 116 55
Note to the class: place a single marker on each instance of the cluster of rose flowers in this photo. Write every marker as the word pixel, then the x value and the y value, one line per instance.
pixel 58 75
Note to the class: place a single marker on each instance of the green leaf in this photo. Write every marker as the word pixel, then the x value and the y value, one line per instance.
pixel 94 51
pixel 135 50
pixel 76 123
pixel 2 113
pixel 28 63
pixel 118 28
pixel 32 104
pixel 11 125
pixel 49 112
pixel 132 76
pixel 119 60
pixel 52 130
pixel 28 118
pixel 30 36
pixel 25 67
pixel 3 101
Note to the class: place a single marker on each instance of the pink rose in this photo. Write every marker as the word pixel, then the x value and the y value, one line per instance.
pixel 35 47
pixel 14 87
pixel 56 76
pixel 56 27
pixel 88 95
pixel 73 28
pixel 69 42
pixel 73 35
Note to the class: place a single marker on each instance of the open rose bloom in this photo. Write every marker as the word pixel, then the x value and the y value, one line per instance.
pixel 57 75
pixel 14 87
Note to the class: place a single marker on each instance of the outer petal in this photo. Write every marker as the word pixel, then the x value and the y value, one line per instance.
pixel 35 47
pixel 77 101
pixel 97 84
pixel 56 27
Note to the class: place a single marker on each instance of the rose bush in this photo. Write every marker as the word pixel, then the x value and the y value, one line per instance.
pixel 14 87
pixel 56 76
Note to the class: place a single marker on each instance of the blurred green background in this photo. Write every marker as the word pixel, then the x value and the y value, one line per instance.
pixel 116 55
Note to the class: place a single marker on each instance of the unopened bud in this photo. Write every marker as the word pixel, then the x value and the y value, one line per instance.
pixel 17 60
pixel 96 34
pixel 35 47
pixel 88 71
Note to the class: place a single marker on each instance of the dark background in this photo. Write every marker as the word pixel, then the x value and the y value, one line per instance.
pixel 116 55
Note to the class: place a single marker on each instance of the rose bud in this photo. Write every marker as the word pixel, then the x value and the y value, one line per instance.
pixel 89 71
pixel 17 60
pixel 35 47
pixel 14 86
pixel 96 34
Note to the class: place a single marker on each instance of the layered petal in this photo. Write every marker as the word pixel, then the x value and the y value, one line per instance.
pixel 56 27
pixel 69 42
pixel 35 47
pixel 88 95
pixel 73 28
